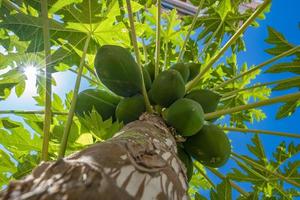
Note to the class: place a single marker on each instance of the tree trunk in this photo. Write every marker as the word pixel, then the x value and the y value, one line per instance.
pixel 140 162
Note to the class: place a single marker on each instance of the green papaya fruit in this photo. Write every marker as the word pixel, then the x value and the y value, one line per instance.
pixel 151 69
pixel 194 70
pixel 208 99
pixel 130 109
pixel 103 102
pixel 183 70
pixel 147 79
pixel 210 146
pixel 118 70
pixel 186 116
pixel 167 88
pixel 187 161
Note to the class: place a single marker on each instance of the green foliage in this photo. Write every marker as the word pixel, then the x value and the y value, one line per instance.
pixel 266 184
pixel 281 44
pixel 223 191
pixel 100 130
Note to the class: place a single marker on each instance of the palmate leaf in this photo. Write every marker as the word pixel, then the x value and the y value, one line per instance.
pixel 6 168
pixel 279 41
pixel 198 180
pixel 266 184
pixel 101 130
pixel 19 141
pixel 219 18
pixel 293 67
pixel 229 70
pixel 281 44
pixel 222 192
pixel 29 28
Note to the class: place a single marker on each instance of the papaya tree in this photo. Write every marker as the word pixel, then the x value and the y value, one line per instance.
pixel 158 104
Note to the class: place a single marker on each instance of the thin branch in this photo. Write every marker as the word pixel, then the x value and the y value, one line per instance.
pixel 237 34
pixel 258 166
pixel 259 85
pixel 63 145
pixel 30 112
pixel 143 40
pixel 157 45
pixel 166 56
pixel 84 76
pixel 286 53
pixel 182 50
pixel 266 132
pixel 233 184
pixel 48 115
pixel 284 98
pixel 137 54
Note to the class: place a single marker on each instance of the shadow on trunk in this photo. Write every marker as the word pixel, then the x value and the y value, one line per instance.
pixel 140 162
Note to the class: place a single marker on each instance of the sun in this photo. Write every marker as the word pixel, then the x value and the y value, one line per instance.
pixel 31 72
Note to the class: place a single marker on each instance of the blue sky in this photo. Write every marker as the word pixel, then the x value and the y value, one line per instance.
pixel 285 18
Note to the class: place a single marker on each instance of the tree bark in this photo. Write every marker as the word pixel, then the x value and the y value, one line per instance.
pixel 139 162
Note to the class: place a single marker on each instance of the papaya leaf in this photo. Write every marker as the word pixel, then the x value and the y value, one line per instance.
pixel 279 41
pixel 293 67
pixel 26 163
pixel 265 183
pixel 9 124
pixel 199 197
pixel 287 109
pixel 7 167
pixel 20 141
pixel 101 130
pixel 222 192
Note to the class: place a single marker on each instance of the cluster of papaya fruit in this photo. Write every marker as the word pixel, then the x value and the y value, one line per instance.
pixel 118 71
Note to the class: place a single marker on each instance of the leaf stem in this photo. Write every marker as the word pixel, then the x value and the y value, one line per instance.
pixel 143 41
pixel 259 85
pixel 182 50
pixel 137 54
pixel 84 76
pixel 286 53
pixel 237 34
pixel 233 184
pixel 166 56
pixel 250 169
pixel 262 168
pixel 284 98
pixel 48 115
pixel 266 132
pixel 63 145
pixel 157 42
pixel 29 112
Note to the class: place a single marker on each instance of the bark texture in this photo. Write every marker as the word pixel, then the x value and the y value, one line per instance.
pixel 140 162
